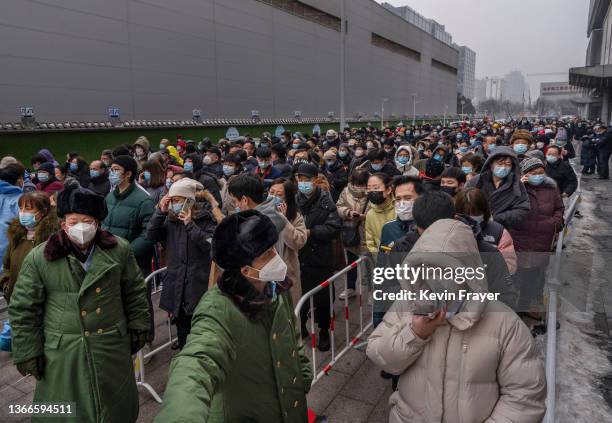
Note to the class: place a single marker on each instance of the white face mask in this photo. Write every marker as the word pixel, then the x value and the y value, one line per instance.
pixel 82 233
pixel 403 209
pixel 274 271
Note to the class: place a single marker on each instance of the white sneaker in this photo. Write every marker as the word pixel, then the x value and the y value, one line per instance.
pixel 347 293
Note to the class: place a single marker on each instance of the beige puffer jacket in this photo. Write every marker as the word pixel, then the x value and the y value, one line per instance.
pixel 481 366
pixel 350 200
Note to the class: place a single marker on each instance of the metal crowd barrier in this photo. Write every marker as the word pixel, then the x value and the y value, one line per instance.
pixel 551 317
pixel 350 342
pixel 139 367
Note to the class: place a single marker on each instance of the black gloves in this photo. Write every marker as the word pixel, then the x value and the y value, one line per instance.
pixel 34 366
pixel 137 340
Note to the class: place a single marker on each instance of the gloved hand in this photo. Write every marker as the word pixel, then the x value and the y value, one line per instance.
pixel 137 340
pixel 34 366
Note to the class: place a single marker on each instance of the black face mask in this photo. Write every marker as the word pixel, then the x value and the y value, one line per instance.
pixel 376 197
pixel 449 190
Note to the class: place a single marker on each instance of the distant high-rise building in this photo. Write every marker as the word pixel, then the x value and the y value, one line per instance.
pixel 516 89
pixel 428 25
pixel 466 75
pixel 490 88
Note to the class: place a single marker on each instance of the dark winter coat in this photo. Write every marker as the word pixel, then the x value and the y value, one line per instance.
pixel 588 153
pixel 317 255
pixel 564 175
pixel 50 187
pixel 212 185
pixel 509 202
pixel 128 215
pixel 81 323
pixel 394 230
pixel 19 247
pixel 215 170
pixel 284 168
pixel 268 175
pixel 337 176
pixel 188 256
pixel 81 174
pixel 100 185
pixel 539 228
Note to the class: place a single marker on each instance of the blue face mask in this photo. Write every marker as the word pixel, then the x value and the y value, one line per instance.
pixel 501 171
pixel 403 160
pixel 74 167
pixel 168 183
pixel 305 187
pixel 188 167
pixel 376 167
pixel 491 147
pixel 147 176
pixel 114 178
pixel 342 154
pixel 466 170
pixel 535 179
pixel 262 165
pixel 330 163
pixel 438 157
pixel 552 159
pixel 176 207
pixel 237 209
pixel 27 220
pixel 94 173
pixel 42 176
pixel 520 148
pixel 463 150
pixel 228 170
pixel 161 146
pixel 277 200
pixel 295 146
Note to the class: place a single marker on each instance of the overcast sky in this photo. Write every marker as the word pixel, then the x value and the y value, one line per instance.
pixel 533 36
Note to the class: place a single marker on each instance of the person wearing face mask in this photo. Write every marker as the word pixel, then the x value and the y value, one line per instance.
pixel 152 179
pixel 98 173
pixel 36 222
pixel 81 299
pixel 500 181
pixel 403 160
pixel 142 150
pixel 243 359
pixel 389 148
pixel 359 156
pixel 331 139
pixel 11 188
pixel 186 233
pixel 477 359
pixel 452 181
pixel 588 154
pixel 520 142
pixel 377 163
pixel 335 172
pixel 47 182
pixel 406 190
pixel 352 205
pixel 212 163
pixel 534 237
pixel 265 170
pixel 561 171
pixel 471 202
pixel 344 155
pixel 323 225
pixel 380 211
pixel 77 168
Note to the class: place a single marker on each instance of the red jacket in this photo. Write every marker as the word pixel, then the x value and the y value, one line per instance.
pixel 51 187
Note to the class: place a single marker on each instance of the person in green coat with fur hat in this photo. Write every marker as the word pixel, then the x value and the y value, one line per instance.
pixel 244 360
pixel 78 312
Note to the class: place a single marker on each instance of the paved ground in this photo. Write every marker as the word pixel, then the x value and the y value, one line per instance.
pixel 354 391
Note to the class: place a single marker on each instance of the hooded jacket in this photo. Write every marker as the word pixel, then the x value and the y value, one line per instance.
pixel 481 366
pixel 9 196
pixel 564 175
pixel 509 202
pixel 407 169
pixel 376 218
pixel 146 146
pixel 268 208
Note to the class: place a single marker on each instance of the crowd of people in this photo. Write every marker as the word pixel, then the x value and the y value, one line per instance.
pixel 247 226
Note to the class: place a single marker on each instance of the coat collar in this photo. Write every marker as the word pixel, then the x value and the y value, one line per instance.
pixel 44 229
pixel 58 245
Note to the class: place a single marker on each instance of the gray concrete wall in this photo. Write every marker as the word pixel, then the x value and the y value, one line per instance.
pixel 159 59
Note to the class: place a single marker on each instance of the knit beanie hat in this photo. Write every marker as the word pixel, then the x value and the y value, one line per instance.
pixel 530 164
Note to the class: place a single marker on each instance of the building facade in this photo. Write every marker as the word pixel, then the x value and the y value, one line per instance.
pixel 516 87
pixel 428 25
pixel 158 59
pixel 466 78
pixel 490 88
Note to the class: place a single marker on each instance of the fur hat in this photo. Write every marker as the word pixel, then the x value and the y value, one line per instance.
pixel 528 165
pixel 241 238
pixel 76 199
pixel 521 134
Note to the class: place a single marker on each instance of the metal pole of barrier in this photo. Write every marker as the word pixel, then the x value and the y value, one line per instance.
pixel 551 318
pixel 346 310
pixel 360 295
pixel 313 337
pixel 142 382
pixel 332 320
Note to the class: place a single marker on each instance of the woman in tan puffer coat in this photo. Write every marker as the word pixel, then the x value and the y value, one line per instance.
pixel 479 365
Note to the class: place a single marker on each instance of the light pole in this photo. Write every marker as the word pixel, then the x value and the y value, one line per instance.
pixel 414 103
pixel 342 63
pixel 382 114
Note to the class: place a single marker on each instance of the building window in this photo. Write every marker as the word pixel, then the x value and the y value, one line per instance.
pixel 387 44
pixel 443 66
pixel 304 11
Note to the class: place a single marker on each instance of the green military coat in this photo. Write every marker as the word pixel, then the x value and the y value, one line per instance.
pixel 234 369
pixel 80 322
